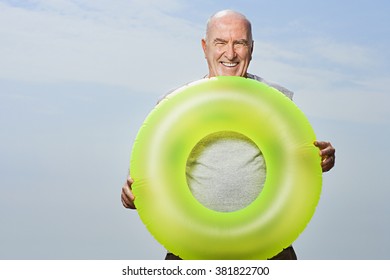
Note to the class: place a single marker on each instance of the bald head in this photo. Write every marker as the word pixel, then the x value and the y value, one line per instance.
pixel 230 16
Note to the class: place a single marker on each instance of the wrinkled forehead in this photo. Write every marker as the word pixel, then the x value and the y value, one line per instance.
pixel 229 28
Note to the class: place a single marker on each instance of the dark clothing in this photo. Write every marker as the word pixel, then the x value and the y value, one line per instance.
pixel 286 254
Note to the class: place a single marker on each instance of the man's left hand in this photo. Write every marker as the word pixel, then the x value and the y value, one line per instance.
pixel 327 153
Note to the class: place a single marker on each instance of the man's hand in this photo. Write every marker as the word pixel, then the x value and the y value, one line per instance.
pixel 328 155
pixel 127 195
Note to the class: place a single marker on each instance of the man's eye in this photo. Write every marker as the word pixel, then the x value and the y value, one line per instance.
pixel 241 44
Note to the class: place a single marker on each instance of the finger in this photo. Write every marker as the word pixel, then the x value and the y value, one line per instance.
pixel 328 151
pixel 127 195
pixel 321 144
pixel 326 148
pixel 127 202
pixel 126 191
pixel 129 181
pixel 327 163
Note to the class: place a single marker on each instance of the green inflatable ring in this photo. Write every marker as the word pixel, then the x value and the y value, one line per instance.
pixel 273 122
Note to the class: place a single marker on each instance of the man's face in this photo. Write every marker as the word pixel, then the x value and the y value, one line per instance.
pixel 228 48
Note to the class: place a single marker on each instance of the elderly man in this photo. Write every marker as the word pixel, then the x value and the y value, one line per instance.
pixel 227 162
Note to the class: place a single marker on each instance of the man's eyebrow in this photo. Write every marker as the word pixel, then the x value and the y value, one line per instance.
pixel 219 40
pixel 240 41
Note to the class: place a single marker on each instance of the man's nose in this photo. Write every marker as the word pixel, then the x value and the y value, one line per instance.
pixel 230 52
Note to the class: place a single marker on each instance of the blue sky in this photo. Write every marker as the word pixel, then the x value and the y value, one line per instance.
pixel 77 78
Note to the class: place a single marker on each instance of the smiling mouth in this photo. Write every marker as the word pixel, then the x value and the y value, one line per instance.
pixel 229 64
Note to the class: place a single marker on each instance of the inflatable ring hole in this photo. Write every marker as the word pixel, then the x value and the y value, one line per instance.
pixel 225 171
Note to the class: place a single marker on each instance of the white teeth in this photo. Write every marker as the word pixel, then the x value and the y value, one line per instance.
pixel 229 64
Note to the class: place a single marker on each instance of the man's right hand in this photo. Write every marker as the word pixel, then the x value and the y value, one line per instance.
pixel 127 195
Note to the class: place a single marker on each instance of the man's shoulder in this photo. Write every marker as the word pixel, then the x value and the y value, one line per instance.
pixel 173 90
pixel 280 88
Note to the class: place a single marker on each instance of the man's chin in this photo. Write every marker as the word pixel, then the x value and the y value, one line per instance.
pixel 230 73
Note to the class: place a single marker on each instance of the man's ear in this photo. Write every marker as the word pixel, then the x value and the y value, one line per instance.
pixel 252 47
pixel 204 46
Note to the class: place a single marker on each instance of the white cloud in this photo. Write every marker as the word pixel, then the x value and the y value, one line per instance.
pixel 343 54
pixel 340 81
pixel 99 42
